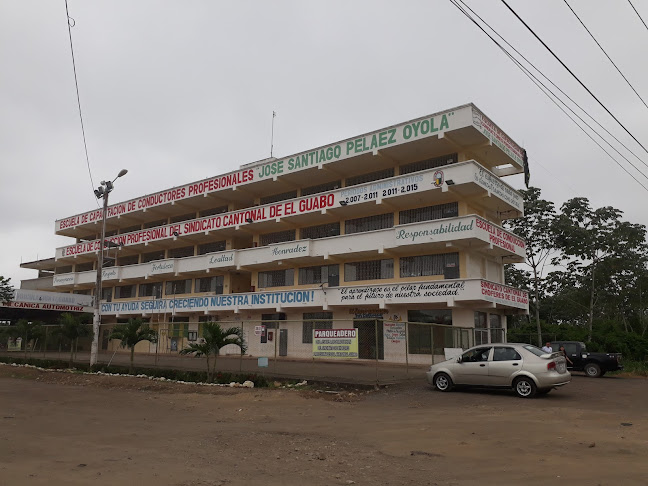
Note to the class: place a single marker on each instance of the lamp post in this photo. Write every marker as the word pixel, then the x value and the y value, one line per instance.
pixel 101 192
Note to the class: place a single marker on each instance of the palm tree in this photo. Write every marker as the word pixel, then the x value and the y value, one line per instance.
pixel 72 327
pixel 27 331
pixel 132 333
pixel 214 338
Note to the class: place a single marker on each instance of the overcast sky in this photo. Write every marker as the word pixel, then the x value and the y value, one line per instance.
pixel 176 91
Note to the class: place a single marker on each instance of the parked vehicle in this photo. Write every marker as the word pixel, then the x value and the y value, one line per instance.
pixel 594 365
pixel 523 367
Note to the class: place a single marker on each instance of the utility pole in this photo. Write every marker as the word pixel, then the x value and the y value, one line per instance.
pixel 274 114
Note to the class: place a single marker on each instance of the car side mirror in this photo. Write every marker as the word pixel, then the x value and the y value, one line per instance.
pixel 459 359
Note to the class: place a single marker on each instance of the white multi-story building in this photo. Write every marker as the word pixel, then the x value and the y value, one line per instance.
pixel 401 225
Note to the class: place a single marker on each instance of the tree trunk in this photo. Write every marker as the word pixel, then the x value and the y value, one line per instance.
pixel 214 365
pixel 132 360
pixel 591 307
pixel 209 376
pixel 71 357
pixel 537 305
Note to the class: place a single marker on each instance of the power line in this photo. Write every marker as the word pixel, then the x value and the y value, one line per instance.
pixel 76 84
pixel 541 85
pixel 606 54
pixel 574 76
pixel 642 20
pixel 466 6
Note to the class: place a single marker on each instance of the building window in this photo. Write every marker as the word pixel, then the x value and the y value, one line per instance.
pixel 421 337
pixel 210 284
pixel 125 292
pixel 106 294
pixel 213 211
pixel 182 217
pixel 179 329
pixel 152 256
pixel 277 237
pixel 153 224
pixel 84 267
pixel 327 186
pixel 424 265
pixel 428 164
pixel 270 321
pixel 369 270
pixel 185 251
pixel 151 290
pixel 65 269
pixel 130 229
pixel 372 176
pixel 320 231
pixel 82 292
pixel 277 278
pixel 429 213
pixel 481 328
pixel 369 223
pixel 278 197
pixel 174 287
pixel 212 247
pixel 320 274
pixel 128 260
pixel 496 331
pixel 315 320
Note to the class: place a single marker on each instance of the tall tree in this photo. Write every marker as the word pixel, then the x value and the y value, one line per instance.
pixel 6 290
pixel 131 333
pixel 599 245
pixel 214 338
pixel 536 229
pixel 72 327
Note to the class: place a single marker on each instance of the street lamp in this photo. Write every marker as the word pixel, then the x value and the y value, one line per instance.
pixel 101 192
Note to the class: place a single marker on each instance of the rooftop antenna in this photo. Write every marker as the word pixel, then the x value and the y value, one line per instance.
pixel 274 114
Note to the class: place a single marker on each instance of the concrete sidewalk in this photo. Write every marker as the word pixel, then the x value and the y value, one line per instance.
pixel 363 372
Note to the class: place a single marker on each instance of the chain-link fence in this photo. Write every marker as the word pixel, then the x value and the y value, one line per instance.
pixel 365 350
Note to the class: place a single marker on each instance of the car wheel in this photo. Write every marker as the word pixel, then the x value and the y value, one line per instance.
pixel 525 387
pixel 443 382
pixel 593 370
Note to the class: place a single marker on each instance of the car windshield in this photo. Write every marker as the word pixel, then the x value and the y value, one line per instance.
pixel 534 349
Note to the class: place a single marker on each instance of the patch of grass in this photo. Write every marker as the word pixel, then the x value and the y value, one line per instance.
pixel 637 368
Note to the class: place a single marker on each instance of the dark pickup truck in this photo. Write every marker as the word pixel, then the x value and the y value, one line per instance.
pixel 593 364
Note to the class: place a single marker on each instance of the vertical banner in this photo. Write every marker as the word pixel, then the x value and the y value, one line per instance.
pixel 335 343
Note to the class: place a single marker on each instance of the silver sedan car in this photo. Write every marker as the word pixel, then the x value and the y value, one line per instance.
pixel 523 367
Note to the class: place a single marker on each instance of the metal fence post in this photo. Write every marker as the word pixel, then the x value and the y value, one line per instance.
pixel 406 351
pixel 432 342
pixel 276 338
pixel 376 349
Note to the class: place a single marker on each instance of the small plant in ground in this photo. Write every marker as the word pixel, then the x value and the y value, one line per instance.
pixel 132 333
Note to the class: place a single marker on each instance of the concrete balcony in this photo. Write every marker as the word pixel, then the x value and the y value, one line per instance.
pixel 463 181
pixel 459 293
pixel 465 233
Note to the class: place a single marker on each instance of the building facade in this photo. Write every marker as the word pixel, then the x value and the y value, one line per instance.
pixel 382 233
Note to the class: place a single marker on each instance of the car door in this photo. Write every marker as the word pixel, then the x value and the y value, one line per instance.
pixel 505 363
pixel 573 351
pixel 473 368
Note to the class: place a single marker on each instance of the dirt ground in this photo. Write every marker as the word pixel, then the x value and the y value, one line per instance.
pixel 60 428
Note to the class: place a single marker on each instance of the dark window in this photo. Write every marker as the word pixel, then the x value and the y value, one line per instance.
pixel 212 247
pixel 497 333
pixel 420 337
pixel 505 354
pixel 130 229
pixel 429 213
pixel 173 287
pixel 125 291
pixel 369 270
pixel 315 320
pixel 320 231
pixel 269 321
pixel 65 269
pixel 153 224
pixel 476 355
pixel 128 260
pixel 185 251
pixel 481 328
pixel 151 290
pixel 106 294
pixel 428 164
pixel 423 265
pixel 213 211
pixel 369 223
pixel 210 284
pixel 372 176
pixel 84 267
pixel 276 278
pixel 327 186
pixel 278 197
pixel 110 233
pixel 321 274
pixel 82 292
pixel 277 237
pixel 152 256
pixel 182 217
